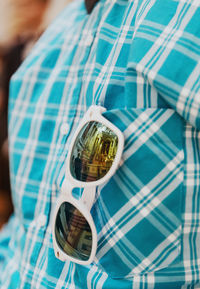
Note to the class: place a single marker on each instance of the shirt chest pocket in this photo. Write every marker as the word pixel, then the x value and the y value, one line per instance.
pixel 138 212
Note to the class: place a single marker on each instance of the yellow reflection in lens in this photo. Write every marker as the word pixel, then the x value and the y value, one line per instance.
pixel 94 152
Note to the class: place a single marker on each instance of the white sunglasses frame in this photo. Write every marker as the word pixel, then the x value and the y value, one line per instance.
pixel 84 204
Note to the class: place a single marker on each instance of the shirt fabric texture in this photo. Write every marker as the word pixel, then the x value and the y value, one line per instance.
pixel 140 60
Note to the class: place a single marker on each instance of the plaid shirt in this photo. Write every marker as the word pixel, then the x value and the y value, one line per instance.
pixel 139 59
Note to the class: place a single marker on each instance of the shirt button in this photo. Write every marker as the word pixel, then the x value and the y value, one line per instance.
pixel 64 129
pixel 89 39
pixel 54 187
pixel 42 220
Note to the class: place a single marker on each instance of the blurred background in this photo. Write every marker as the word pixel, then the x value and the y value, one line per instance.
pixel 21 24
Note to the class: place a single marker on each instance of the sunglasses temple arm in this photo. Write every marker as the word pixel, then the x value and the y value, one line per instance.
pixel 88 197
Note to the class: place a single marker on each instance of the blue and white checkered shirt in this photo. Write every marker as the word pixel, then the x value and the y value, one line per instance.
pixel 140 60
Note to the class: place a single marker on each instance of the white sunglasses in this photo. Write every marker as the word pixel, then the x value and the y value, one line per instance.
pixel 93 157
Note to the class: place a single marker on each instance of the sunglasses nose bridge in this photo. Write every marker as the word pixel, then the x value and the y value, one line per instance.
pixel 88 197
pixel 67 187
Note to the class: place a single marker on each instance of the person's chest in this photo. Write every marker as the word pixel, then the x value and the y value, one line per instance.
pixel 94 59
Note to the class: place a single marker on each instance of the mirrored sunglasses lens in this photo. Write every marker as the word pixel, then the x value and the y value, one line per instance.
pixel 73 233
pixel 93 153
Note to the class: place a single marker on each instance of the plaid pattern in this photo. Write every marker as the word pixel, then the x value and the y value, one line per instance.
pixel 139 59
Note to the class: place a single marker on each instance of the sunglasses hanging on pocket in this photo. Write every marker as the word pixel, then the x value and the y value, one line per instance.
pixel 93 157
